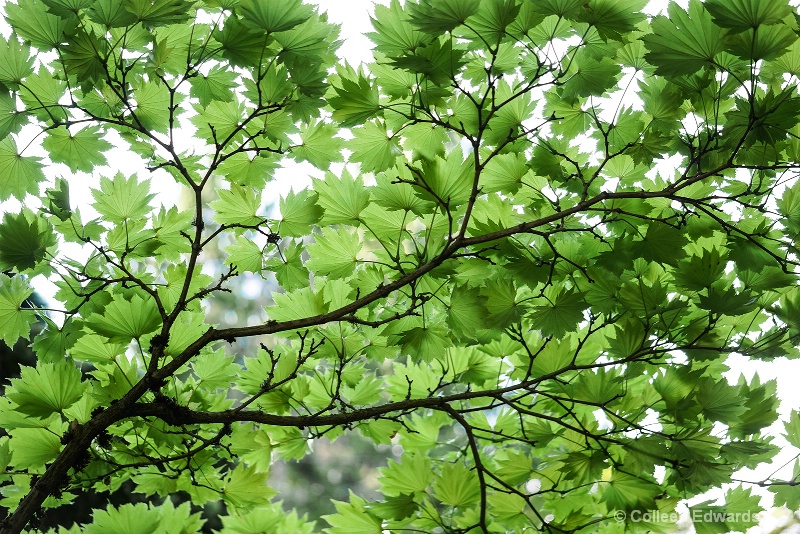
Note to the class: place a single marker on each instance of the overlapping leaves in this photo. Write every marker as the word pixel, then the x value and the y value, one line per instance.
pixel 536 292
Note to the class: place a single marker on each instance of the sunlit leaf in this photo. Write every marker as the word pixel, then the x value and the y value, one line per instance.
pixel 48 388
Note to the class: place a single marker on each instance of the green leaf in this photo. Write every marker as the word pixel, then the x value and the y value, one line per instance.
pixel 334 253
pixel 218 122
pixel 684 42
pixel 16 62
pixel 457 485
pixel 34 447
pixel 171 228
pixel 19 175
pixel 241 45
pixel 356 98
pixel 494 17
pixel 318 145
pixel 590 77
pixel 176 275
pixel 289 268
pixel 438 62
pixel 504 173
pixel 501 303
pixel 789 207
pixel 188 328
pixel 761 402
pixel 255 172
pixel 126 318
pixel 25 241
pixel 123 198
pixel 42 94
pixel 393 36
pixel 613 19
pixel 792 427
pixel 83 57
pixel 238 206
pixel 396 508
pixel 366 391
pixel 126 519
pixel 629 492
pixel 743 507
pixel 14 323
pixel 788 495
pixel 374 148
pixel 82 151
pixel 425 140
pixel 583 466
pixel 34 24
pixel 96 349
pixel 245 487
pixel 153 101
pixel 251 443
pixel 719 401
pixel 467 313
pixel 299 213
pixel 561 314
pixel 273 16
pixel 342 198
pixel 568 9
pixel 266 518
pixel 160 12
pixel 700 272
pixel 394 194
pixel 296 305
pixel 245 255
pixel 766 42
pixel 52 343
pixel 441 16
pixel 111 13
pixel 303 49
pixel 553 358
pixel 58 200
pixel 218 85
pixel 411 475
pixel 788 63
pixel 11 120
pixel 49 388
pixel 728 302
pixel 273 87
pixel 423 342
pixel 65 8
pixel 352 518
pixel 662 243
pixel 740 15
pixel 448 180
pixel 214 370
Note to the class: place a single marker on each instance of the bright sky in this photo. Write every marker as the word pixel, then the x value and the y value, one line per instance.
pixel 353 15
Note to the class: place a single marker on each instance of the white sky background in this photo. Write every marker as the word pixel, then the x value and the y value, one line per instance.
pixel 353 15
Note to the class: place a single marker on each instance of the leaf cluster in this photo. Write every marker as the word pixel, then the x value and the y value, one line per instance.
pixel 541 232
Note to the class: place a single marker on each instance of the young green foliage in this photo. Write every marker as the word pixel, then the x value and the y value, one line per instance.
pixel 527 282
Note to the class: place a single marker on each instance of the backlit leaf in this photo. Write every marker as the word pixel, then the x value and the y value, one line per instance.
pixel 125 319
pixel 48 388
pixel 19 174
pixel 122 198
pixel 14 322
pixel 684 42
pixel 81 151
pixel 334 253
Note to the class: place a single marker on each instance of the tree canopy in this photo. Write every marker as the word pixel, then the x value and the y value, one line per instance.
pixel 544 227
